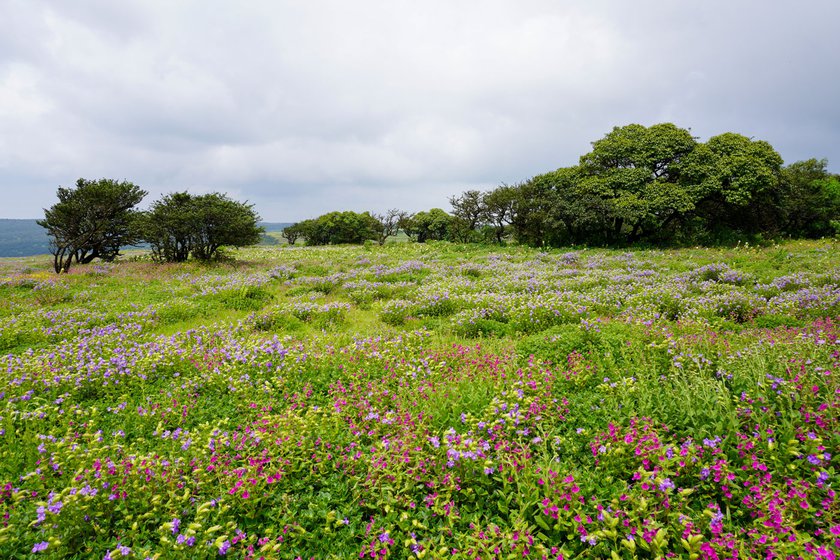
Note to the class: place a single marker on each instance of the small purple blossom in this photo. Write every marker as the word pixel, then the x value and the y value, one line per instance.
pixel 666 485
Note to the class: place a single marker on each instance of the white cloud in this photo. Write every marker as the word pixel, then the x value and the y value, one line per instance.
pixel 335 104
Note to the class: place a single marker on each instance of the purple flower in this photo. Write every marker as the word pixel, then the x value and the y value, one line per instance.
pixel 40 547
pixel 55 507
pixel 224 548
pixel 666 485
pixel 384 537
pixel 124 550
pixel 176 526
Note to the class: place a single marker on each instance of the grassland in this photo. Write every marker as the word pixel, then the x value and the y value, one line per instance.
pixel 424 401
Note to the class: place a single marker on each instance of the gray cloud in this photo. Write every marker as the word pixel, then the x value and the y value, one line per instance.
pixel 308 107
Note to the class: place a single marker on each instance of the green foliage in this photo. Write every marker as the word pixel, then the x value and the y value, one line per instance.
pixel 150 409
pixel 657 184
pixel 389 224
pixel 181 225
pixel 736 180
pixel 810 199
pixel 93 220
pixel 246 298
pixel 335 228
pixel 433 225
pixel 292 233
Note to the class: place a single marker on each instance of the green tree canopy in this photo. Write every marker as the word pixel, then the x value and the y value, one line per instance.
pixel 431 225
pixel 182 225
pixel 93 220
pixel 499 209
pixel 736 182
pixel 635 173
pixel 336 228
pixel 810 199
pixel 292 233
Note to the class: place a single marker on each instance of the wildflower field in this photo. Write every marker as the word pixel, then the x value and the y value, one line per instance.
pixel 424 401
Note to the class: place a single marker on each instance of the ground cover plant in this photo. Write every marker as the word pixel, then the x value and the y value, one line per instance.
pixel 424 401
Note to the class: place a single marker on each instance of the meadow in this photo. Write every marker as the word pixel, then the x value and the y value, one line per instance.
pixel 424 401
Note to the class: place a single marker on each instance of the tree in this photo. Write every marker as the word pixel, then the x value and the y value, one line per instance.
pixel 336 228
pixel 182 225
pixel 468 213
pixel 168 227
pixel 500 209
pixel 389 224
pixel 736 182
pixel 553 209
pixel 428 226
pixel 292 233
pixel 220 222
pixel 93 220
pixel 810 199
pixel 636 171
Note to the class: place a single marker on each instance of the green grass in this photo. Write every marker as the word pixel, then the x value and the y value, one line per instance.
pixel 445 400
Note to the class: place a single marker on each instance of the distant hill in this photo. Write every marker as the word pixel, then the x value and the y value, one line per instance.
pixel 275 226
pixel 24 238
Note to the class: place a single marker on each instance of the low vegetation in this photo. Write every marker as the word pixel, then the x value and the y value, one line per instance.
pixel 424 401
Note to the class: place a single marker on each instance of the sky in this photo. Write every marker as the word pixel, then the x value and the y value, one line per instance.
pixel 305 107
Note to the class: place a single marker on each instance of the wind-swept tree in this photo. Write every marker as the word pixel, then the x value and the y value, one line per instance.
pixel 292 233
pixel 93 220
pixel 468 213
pixel 168 227
pixel 432 225
pixel 223 222
pixel 334 228
pixel 500 209
pixel 389 224
pixel 182 225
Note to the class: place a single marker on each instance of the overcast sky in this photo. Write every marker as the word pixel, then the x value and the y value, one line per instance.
pixel 310 106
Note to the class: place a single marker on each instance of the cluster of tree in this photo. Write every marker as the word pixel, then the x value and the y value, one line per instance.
pixel 336 228
pixel 657 184
pixel 96 219
pixel 654 184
